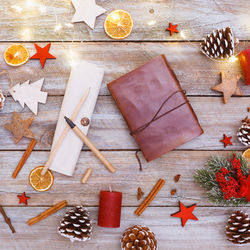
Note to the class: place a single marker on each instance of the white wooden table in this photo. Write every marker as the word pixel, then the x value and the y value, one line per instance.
pixel 196 73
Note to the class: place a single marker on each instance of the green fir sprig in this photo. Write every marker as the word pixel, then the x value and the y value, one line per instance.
pixel 206 177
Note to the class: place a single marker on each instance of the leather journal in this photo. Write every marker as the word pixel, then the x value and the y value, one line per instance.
pixel 155 108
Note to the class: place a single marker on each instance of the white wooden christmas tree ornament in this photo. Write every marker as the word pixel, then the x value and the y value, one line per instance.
pixel 29 94
pixel 86 11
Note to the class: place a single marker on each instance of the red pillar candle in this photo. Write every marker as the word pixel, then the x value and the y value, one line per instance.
pixel 110 205
pixel 244 58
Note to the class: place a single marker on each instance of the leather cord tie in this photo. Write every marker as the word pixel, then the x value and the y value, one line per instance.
pixel 156 117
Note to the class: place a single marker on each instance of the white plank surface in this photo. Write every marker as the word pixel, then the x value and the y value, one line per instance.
pixel 109 131
pixel 127 178
pixel 195 18
pixel 195 72
pixel 207 233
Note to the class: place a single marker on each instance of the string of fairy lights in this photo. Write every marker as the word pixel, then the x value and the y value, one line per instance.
pixel 60 26
pixel 28 5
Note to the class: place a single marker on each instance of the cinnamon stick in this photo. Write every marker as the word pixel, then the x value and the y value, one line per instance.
pixel 47 212
pixel 160 183
pixel 24 158
pixel 7 219
pixel 150 195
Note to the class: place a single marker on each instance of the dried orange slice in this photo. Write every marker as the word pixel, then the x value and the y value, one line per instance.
pixel 41 183
pixel 118 24
pixel 16 55
pixel 246 154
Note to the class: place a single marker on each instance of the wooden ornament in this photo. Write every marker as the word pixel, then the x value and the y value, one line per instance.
pixel 19 127
pixel 42 54
pixel 226 140
pixel 29 94
pixel 86 175
pixel 86 11
pixel 85 121
pixel 172 29
pixel 23 198
pixel 228 86
pixel 186 213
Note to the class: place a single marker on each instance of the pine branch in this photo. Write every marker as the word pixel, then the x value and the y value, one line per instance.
pixel 217 162
pixel 206 177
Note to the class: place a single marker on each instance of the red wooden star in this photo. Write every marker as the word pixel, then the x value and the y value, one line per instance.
pixel 172 28
pixel 42 54
pixel 185 214
pixel 23 198
pixel 226 140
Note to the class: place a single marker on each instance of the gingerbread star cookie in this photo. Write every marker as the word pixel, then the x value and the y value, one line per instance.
pixel 228 86
pixel 19 127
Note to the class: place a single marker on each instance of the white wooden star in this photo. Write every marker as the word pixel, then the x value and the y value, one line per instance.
pixel 86 11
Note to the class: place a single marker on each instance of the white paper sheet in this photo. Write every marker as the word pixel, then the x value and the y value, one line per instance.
pixel 82 76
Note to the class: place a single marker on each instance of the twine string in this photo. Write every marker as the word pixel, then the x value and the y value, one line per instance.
pixel 138 159
pixel 156 117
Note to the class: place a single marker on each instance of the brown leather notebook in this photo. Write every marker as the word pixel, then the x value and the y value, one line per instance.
pixel 155 108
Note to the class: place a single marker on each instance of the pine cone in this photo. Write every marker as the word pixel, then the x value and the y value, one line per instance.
pixel 219 44
pixel 76 224
pixel 244 132
pixel 238 229
pixel 138 238
pixel 2 99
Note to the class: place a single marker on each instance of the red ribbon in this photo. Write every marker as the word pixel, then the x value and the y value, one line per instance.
pixel 245 189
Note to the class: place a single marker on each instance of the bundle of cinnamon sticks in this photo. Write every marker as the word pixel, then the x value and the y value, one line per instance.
pixel 160 183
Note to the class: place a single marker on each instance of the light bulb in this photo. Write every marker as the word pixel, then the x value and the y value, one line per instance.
pixel 69 25
pixel 17 8
pixel 30 3
pixel 58 27
pixel 182 34
pixel 152 22
pixel 42 9
pixel 26 34
pixel 233 59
